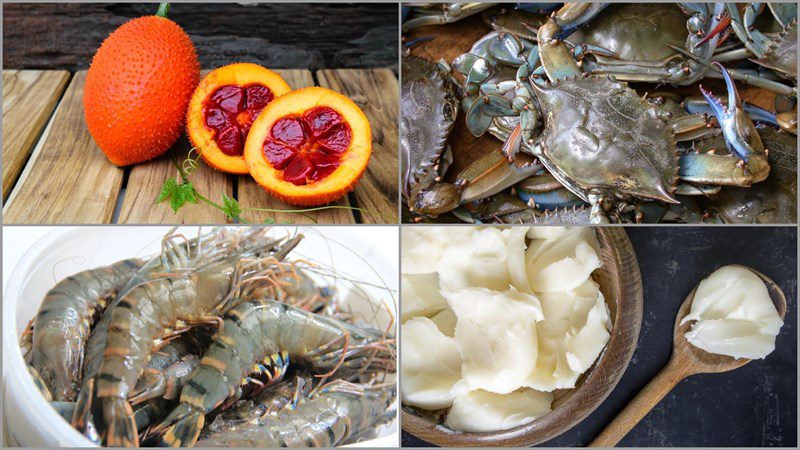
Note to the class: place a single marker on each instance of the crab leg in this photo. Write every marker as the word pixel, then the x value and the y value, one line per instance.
pixel 556 58
pixel 773 86
pixel 483 178
pixel 753 39
pixel 544 192
pixel 492 174
pixel 691 127
pixel 448 14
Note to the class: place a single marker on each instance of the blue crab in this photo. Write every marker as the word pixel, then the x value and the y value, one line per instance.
pixel 600 140
pixel 429 106
pixel 670 43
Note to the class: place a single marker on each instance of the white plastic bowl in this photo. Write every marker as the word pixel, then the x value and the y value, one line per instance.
pixel 30 421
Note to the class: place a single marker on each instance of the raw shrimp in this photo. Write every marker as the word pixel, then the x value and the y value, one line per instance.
pixel 177 255
pixel 266 332
pixel 141 318
pixel 167 369
pixel 270 401
pixel 338 413
pixel 65 319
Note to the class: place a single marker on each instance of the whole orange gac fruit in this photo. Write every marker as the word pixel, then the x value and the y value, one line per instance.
pixel 138 89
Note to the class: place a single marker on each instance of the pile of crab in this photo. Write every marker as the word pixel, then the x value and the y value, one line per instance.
pixel 579 144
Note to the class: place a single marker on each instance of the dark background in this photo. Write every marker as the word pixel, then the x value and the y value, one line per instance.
pixel 278 36
pixel 753 406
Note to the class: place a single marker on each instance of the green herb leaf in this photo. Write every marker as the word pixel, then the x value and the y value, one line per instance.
pixel 181 195
pixel 231 207
pixel 269 220
pixel 187 192
pixel 169 187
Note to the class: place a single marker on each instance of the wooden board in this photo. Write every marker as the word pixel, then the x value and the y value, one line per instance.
pixel 29 97
pixel 54 172
pixel 376 92
pixel 251 195
pixel 144 185
pixel 68 179
pixel 307 35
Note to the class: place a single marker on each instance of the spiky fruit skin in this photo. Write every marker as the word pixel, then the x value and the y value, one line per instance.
pixel 138 89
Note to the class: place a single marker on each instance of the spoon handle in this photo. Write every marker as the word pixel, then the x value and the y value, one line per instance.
pixel 644 401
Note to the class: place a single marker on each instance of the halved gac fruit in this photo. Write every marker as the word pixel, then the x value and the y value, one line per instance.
pixel 309 147
pixel 223 108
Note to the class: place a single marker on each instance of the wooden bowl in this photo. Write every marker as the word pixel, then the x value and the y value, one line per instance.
pixel 621 284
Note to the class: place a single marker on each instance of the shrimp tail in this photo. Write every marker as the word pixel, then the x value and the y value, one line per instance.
pixel 121 428
pixel 181 427
pixel 83 416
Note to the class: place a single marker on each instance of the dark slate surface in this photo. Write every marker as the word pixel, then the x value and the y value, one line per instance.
pixel 278 36
pixel 755 405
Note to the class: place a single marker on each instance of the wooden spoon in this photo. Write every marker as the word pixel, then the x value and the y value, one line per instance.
pixel 686 360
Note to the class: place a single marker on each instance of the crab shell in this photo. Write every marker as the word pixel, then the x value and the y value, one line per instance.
pixel 429 106
pixel 599 135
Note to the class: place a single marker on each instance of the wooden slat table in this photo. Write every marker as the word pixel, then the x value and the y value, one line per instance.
pixel 29 98
pixel 54 173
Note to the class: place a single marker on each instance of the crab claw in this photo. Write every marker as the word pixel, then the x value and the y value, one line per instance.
pixel 740 134
pixel 513 143
pixel 437 200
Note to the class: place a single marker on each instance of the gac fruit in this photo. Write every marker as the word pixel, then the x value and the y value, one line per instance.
pixel 224 106
pixel 138 88
pixel 309 147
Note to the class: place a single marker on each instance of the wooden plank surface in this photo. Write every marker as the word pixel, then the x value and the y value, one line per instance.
pixel 57 195
pixel 68 179
pixel 251 195
pixel 376 92
pixel 145 181
pixel 29 97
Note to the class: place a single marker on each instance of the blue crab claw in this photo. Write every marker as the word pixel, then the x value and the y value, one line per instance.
pixel 572 16
pixel 740 134
pixel 697 105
